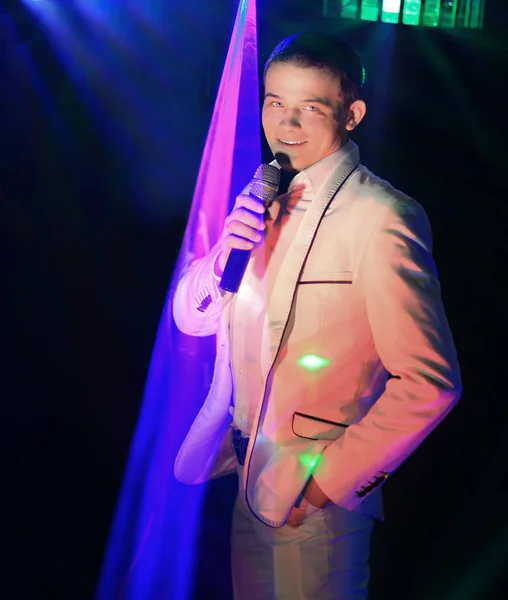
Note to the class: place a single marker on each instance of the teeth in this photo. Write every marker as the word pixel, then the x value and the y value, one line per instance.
pixel 292 143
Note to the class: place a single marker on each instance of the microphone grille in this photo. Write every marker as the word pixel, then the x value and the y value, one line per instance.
pixel 268 174
pixel 265 184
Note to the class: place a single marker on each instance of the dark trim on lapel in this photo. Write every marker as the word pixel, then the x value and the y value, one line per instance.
pixel 287 310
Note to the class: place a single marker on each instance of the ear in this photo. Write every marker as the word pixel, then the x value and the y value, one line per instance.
pixel 356 113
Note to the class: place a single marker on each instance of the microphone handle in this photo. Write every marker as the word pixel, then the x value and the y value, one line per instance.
pixel 264 187
pixel 234 270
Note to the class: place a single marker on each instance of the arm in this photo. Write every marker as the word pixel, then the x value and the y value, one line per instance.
pixel 198 301
pixel 414 343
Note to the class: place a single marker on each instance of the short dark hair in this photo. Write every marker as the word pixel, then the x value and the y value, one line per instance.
pixel 326 51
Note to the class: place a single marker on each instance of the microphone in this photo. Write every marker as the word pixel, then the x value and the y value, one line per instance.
pixel 264 187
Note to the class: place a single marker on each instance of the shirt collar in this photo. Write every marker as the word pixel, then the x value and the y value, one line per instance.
pixel 315 176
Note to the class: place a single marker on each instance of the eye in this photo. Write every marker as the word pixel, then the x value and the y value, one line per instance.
pixel 276 103
pixel 312 108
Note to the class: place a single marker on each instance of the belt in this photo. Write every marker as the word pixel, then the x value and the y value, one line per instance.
pixel 240 441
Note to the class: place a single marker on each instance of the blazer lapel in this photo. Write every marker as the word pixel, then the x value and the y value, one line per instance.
pixel 260 451
pixel 279 307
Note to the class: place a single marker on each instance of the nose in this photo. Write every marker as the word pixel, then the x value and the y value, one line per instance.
pixel 290 120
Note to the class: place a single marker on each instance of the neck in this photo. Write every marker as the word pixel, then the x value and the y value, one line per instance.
pixel 286 176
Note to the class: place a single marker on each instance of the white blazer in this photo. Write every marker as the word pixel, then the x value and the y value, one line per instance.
pixel 367 272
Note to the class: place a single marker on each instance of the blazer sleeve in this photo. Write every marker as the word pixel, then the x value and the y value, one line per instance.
pixel 198 301
pixel 413 340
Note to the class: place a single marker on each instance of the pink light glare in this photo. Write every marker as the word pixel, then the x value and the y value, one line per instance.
pixel 210 204
pixel 151 547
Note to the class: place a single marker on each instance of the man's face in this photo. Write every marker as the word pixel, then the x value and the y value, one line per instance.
pixel 300 113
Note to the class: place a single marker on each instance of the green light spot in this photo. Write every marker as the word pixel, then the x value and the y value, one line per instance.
pixel 369 10
pixel 477 14
pixel 312 362
pixel 349 9
pixel 390 12
pixel 448 16
pixel 411 13
pixel 310 462
pixel 431 12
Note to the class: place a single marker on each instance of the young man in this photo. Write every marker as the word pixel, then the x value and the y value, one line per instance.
pixel 334 359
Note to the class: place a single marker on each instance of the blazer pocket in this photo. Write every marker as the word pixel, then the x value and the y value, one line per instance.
pixel 326 277
pixel 314 428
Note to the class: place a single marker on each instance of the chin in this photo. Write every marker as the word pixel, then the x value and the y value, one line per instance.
pixel 283 156
pixel 299 163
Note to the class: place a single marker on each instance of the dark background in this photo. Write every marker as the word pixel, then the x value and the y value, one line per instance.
pixel 98 160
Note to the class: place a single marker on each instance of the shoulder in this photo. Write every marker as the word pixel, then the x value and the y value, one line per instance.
pixel 381 195
pixel 384 203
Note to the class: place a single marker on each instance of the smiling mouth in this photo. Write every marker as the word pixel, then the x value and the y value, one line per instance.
pixel 288 143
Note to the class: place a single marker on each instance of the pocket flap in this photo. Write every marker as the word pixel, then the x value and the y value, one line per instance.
pixel 326 277
pixel 314 428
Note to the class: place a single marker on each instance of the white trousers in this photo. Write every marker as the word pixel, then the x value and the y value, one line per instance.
pixel 325 558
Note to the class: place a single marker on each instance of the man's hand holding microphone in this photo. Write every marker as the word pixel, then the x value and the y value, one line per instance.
pixel 244 227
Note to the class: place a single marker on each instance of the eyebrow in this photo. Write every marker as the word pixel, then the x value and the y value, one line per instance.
pixel 316 100
pixel 319 100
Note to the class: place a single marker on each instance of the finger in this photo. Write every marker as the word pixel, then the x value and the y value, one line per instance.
pixel 238 229
pixel 246 216
pixel 250 203
pixel 233 242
